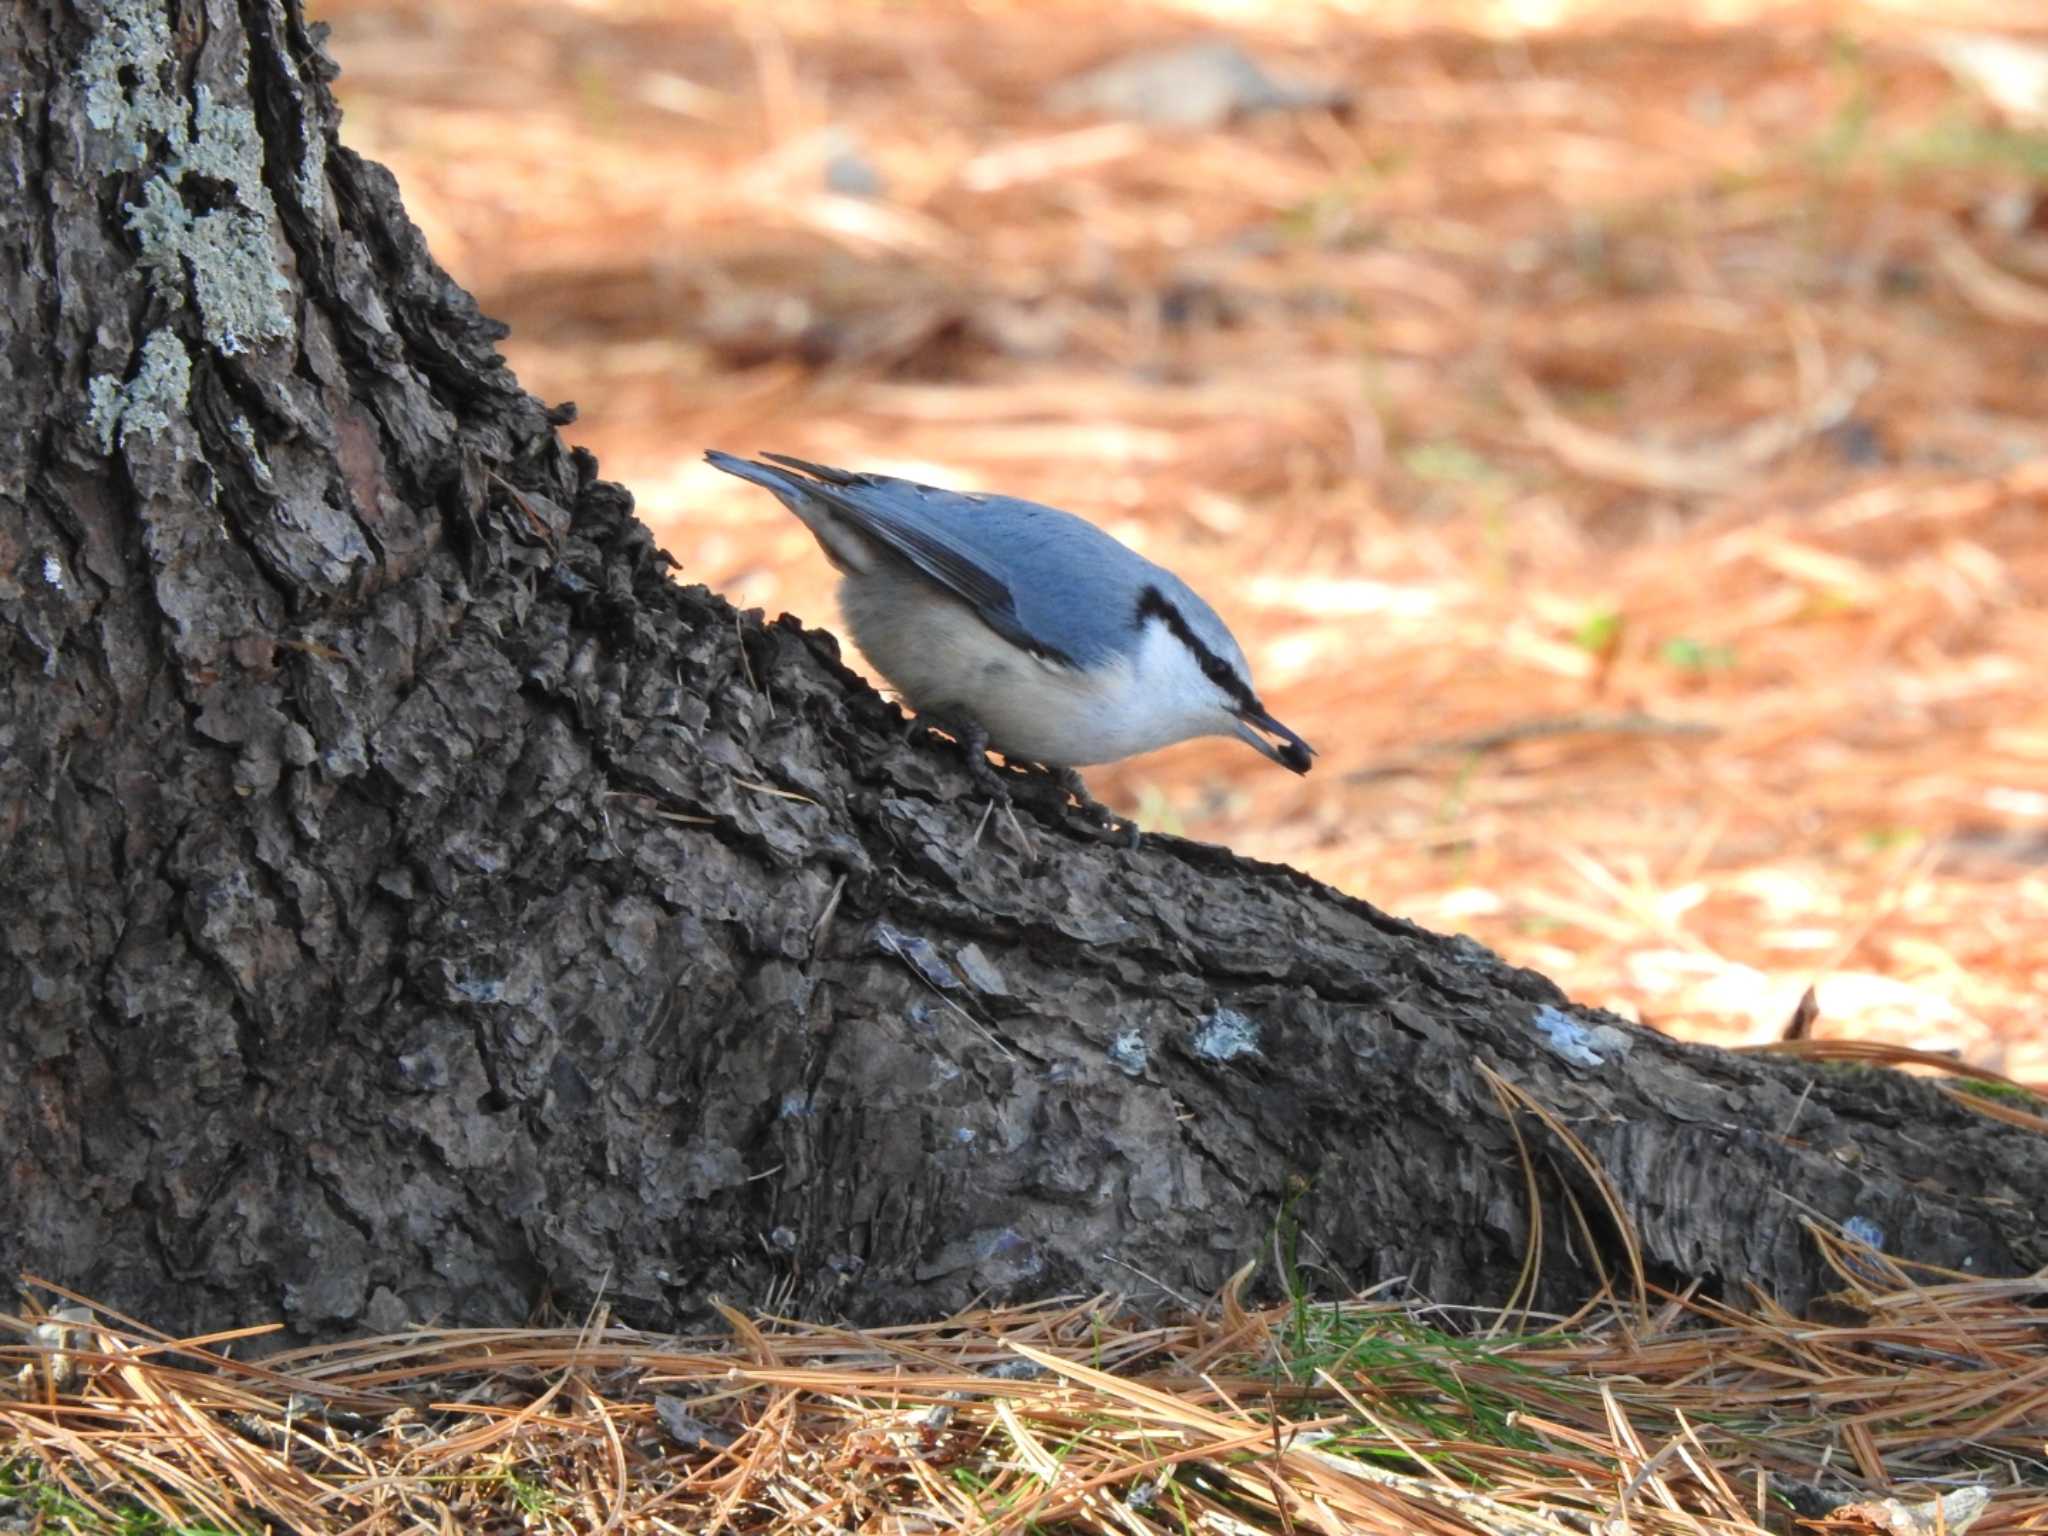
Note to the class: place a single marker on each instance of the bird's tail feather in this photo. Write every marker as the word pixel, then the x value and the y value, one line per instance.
pixel 843 546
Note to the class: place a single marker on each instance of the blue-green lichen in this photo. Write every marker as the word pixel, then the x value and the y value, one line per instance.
pixel 150 401
pixel 135 40
pixel 212 157
pixel 1225 1035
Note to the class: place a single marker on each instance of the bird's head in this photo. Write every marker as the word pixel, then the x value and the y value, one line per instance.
pixel 1191 667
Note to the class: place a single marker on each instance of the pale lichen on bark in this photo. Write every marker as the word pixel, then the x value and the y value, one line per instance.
pixel 230 254
pixel 149 402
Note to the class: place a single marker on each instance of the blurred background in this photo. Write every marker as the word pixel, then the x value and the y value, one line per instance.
pixel 1617 432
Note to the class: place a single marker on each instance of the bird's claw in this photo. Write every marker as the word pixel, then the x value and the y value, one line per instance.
pixel 1101 816
pixel 1091 813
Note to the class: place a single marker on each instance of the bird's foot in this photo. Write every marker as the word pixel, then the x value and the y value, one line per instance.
pixel 973 742
pixel 1090 814
pixel 1098 814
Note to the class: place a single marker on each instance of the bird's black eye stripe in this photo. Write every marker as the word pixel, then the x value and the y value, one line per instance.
pixel 1154 604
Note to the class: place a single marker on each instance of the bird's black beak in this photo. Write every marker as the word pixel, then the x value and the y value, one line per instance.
pixel 1292 752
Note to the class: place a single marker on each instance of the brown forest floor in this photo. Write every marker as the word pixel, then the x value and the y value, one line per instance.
pixel 1915 1409
pixel 1619 442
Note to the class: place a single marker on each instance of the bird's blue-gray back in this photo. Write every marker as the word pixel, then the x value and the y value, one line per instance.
pixel 1025 568
pixel 1041 556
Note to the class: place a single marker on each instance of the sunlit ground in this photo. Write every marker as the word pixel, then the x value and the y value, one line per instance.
pixel 1619 443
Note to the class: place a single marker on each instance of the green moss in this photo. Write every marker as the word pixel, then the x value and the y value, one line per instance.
pixel 2004 1093
pixel 26 1495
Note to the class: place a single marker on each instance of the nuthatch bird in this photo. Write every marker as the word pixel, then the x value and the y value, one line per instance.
pixel 1020 627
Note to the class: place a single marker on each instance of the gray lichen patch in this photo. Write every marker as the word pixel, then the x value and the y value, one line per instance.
pixel 236 268
pixel 148 402
pixel 1570 1041
pixel 1224 1036
pixel 122 75
pixel 206 218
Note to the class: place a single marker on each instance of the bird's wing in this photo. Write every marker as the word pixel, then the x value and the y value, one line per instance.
pixel 917 523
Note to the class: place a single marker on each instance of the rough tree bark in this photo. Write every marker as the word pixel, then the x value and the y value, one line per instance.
pixel 417 904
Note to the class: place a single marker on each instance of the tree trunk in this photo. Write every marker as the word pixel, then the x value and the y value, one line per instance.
pixel 417 905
